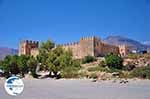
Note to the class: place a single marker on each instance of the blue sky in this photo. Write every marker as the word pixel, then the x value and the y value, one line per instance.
pixel 69 20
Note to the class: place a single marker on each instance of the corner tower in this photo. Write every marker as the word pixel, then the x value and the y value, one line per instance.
pixel 87 46
pixel 26 46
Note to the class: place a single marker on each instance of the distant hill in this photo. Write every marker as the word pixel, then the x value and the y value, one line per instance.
pixel 146 43
pixel 118 40
pixel 7 51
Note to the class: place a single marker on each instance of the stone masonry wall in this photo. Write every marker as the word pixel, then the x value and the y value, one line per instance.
pixel 92 46
pixel 26 46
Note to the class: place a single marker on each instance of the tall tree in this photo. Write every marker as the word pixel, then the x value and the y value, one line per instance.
pixel 22 63
pixel 14 68
pixel 53 61
pixel 32 65
pixel 45 48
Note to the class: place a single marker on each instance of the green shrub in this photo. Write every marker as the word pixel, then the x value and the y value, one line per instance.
pixel 72 70
pixel 114 61
pixel 141 72
pixel 88 59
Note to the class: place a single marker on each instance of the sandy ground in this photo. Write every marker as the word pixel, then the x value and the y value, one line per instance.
pixel 80 89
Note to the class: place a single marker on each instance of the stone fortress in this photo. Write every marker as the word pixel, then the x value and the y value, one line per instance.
pixel 28 47
pixel 92 46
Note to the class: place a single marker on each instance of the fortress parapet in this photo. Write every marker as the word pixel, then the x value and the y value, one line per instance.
pixel 88 38
pixel 68 44
pixel 26 47
pixel 30 42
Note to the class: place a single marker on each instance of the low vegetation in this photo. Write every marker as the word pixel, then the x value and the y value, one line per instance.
pixel 113 64
pixel 137 56
pixel 70 72
pixel 98 68
pixel 88 59
pixel 141 72
pixel 93 75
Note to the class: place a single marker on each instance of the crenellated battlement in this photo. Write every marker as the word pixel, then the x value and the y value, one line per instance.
pixel 30 42
pixel 69 44
pixel 88 38
pixel 28 47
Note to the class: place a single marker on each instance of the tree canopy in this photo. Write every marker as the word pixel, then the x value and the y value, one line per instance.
pixel 51 58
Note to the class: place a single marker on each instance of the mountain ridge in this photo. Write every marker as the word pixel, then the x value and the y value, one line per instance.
pixel 4 51
pixel 120 40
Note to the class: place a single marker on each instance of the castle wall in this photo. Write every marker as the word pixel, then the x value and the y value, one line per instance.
pixel 87 46
pixel 92 46
pixel 101 48
pixel 97 47
pixel 82 48
pixel 26 46
pixel 75 48
pixel 106 48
